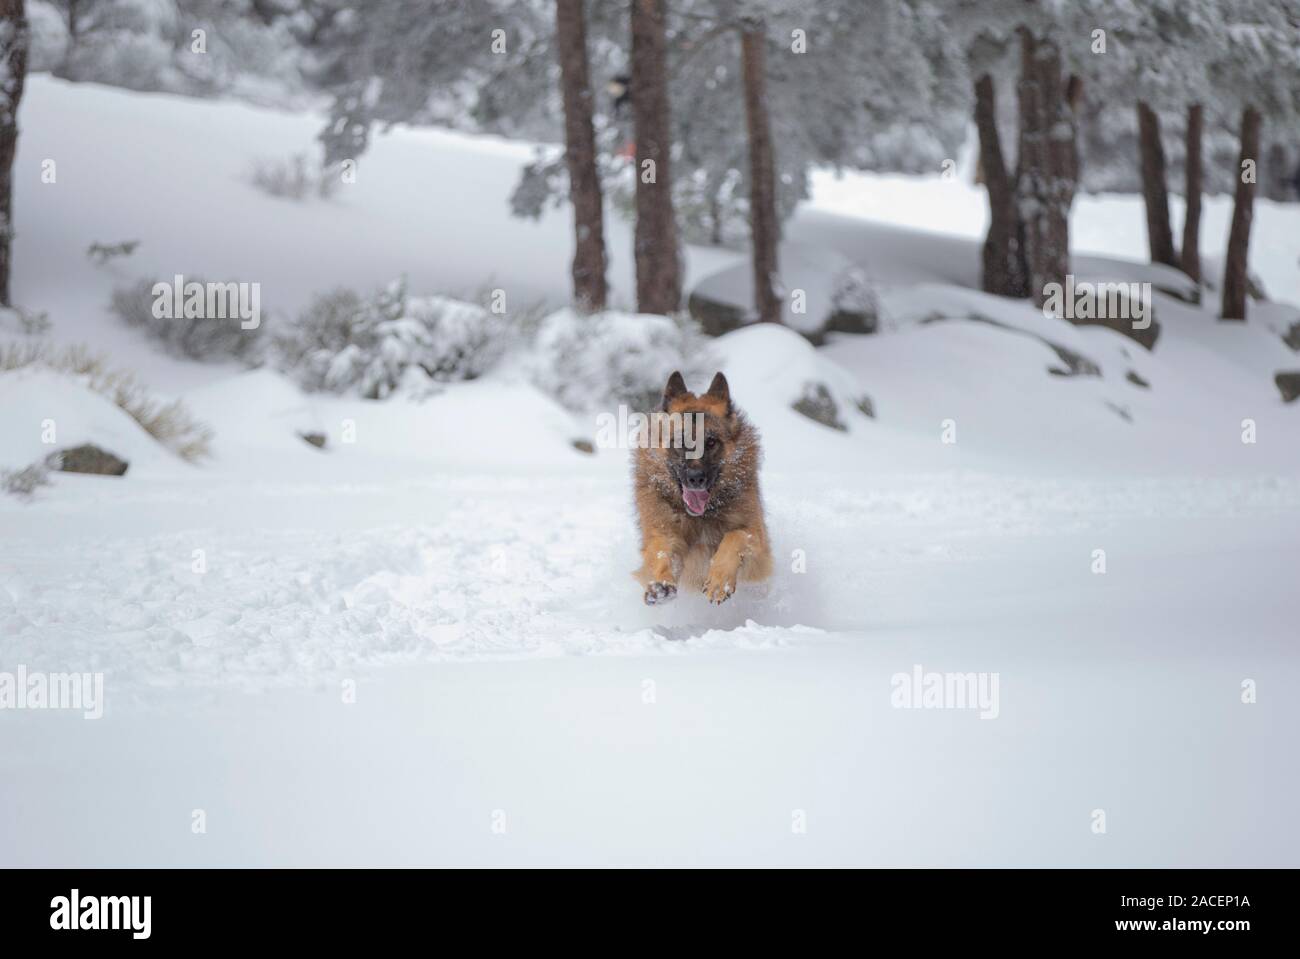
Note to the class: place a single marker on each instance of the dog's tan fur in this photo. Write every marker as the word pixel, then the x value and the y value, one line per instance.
pixel 728 543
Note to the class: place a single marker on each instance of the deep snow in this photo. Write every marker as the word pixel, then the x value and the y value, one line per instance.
pixel 468 569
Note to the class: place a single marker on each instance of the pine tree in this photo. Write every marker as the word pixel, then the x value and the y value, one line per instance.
pixel 1257 70
pixel 589 289
pixel 1155 189
pixel 1005 270
pixel 1157 56
pixel 1028 243
pixel 764 226
pixel 1190 258
pixel 658 270
pixel 1236 279
pixel 1047 162
pixel 14 39
pixel 842 84
pixel 485 65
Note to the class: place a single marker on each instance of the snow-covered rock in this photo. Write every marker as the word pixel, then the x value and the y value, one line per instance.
pixel 817 283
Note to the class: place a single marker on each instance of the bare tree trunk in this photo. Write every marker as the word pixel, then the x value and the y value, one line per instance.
pixel 1155 189
pixel 764 228
pixel 580 156
pixel 14 38
pixel 1236 280
pixel 658 272
pixel 1004 254
pixel 1274 184
pixel 1048 165
pixel 1191 258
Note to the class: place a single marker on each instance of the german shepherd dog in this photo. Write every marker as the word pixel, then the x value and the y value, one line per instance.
pixel 697 497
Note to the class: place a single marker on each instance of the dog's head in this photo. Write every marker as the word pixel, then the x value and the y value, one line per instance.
pixel 703 435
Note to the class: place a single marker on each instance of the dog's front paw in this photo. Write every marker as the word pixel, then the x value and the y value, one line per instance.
pixel 658 592
pixel 718 588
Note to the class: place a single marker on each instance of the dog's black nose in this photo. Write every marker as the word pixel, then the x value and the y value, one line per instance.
pixel 693 478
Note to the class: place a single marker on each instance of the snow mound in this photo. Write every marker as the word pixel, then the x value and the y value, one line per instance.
pixel 817 272
pixel 40 403
pixel 1104 269
pixel 771 369
pixel 282 412
pixel 487 422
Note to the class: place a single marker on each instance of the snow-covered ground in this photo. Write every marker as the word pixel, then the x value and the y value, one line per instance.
pixel 425 646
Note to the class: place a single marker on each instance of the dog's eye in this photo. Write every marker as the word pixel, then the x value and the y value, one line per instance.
pixel 711 443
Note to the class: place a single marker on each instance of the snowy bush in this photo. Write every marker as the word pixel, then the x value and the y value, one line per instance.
pixel 344 343
pixel 121 59
pixel 25 482
pixel 598 361
pixel 522 321
pixel 16 319
pixel 541 183
pixel 122 43
pixel 171 424
pixel 250 52
pixel 102 253
pixel 198 338
pixel 466 339
pixel 294 178
pixel 49 37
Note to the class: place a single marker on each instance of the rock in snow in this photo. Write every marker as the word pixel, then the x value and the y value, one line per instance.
pixel 1288 383
pixel 88 458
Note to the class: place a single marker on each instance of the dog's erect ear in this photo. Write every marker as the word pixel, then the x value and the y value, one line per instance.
pixel 720 389
pixel 675 388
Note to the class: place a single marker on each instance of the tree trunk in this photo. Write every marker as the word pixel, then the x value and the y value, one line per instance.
pixel 1048 165
pixel 1191 258
pixel 1155 189
pixel 1235 277
pixel 764 228
pixel 658 273
pixel 580 157
pixel 1274 185
pixel 1003 258
pixel 14 37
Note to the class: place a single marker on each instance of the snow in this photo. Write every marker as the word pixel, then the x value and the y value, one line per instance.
pixel 429 626
pixel 401 435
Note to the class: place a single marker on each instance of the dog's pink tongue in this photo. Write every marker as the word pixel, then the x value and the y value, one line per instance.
pixel 696 500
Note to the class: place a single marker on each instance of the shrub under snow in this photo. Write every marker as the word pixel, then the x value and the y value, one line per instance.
pixel 596 361
pixel 343 343
pixel 197 338
pixel 23 483
pixel 294 178
pixel 28 322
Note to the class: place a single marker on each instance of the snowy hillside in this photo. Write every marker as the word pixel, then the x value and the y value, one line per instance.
pixel 452 556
